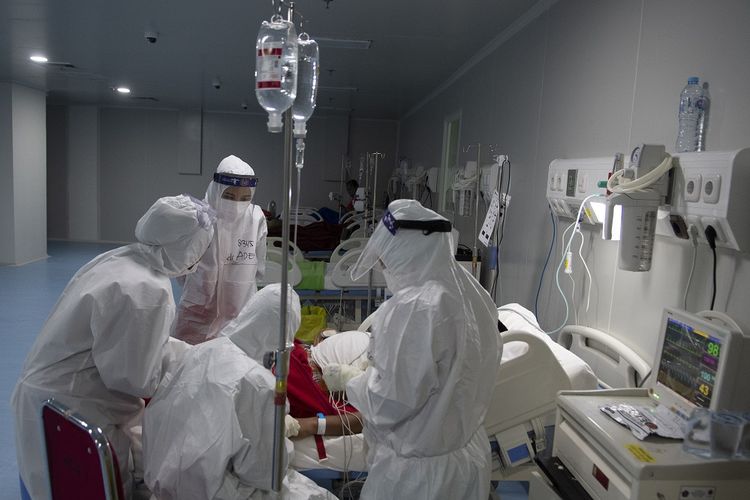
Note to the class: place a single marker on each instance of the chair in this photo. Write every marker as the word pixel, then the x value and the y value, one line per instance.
pixel 81 462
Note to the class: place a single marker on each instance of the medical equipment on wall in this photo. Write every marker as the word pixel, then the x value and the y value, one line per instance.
pixel 569 181
pixel 698 365
pixel 710 189
pixel 276 69
pixel 640 197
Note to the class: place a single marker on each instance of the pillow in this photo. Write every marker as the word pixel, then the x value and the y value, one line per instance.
pixel 345 348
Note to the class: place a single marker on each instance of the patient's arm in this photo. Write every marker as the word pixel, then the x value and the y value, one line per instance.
pixel 336 425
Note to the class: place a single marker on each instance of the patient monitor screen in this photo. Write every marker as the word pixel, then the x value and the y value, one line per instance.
pixel 689 362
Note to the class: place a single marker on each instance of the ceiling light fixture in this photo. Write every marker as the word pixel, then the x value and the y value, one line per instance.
pixel 38 59
pixel 341 43
pixel 123 90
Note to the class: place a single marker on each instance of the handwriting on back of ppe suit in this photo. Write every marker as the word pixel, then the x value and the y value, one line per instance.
pixel 245 253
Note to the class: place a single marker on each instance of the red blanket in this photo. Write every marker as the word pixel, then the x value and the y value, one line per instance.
pixel 306 396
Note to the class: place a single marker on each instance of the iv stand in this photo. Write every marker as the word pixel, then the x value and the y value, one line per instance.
pixel 282 354
pixel 475 250
pixel 375 157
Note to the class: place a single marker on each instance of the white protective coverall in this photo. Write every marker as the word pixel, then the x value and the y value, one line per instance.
pixel 434 353
pixel 208 432
pixel 103 345
pixel 226 276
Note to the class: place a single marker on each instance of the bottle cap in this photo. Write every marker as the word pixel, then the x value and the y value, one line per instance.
pixel 693 80
pixel 300 128
pixel 275 124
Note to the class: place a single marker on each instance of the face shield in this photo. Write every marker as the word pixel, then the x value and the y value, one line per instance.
pixel 232 187
pixel 406 233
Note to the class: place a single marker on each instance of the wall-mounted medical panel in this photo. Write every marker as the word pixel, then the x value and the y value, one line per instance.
pixel 570 181
pixel 710 188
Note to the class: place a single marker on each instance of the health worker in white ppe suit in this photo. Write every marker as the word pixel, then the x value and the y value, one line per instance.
pixel 433 358
pixel 103 346
pixel 208 432
pixel 226 276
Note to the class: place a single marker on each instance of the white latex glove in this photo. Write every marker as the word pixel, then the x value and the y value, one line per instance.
pixel 291 426
pixel 336 376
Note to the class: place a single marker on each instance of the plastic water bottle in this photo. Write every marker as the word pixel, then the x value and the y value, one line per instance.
pixel 690 115
pixel 276 69
pixel 307 83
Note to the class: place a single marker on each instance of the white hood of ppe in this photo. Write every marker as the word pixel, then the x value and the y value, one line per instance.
pixel 175 233
pixel 256 329
pixel 229 209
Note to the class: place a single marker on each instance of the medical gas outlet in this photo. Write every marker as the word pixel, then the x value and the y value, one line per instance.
pixel 570 181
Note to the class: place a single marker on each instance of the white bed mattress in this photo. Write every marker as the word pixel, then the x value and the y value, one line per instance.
pixel 344 453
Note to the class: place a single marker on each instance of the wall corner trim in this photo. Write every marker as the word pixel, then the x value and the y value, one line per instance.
pixel 530 15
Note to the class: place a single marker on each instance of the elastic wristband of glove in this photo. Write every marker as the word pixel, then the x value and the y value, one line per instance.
pixel 321 424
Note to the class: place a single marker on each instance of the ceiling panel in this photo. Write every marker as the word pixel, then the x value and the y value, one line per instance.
pixel 416 45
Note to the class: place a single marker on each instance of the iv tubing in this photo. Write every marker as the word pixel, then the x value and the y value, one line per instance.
pixel 577 224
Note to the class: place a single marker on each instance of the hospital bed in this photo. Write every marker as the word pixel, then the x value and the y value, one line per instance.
pixel 336 286
pixel 304 216
pixel 533 368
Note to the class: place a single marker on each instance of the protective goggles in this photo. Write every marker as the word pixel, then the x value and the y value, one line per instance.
pixel 235 180
pixel 426 226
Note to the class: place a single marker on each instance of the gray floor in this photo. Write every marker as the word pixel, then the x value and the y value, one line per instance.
pixel 27 294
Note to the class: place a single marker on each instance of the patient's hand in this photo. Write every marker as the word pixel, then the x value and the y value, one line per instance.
pixel 307 427
pixel 336 425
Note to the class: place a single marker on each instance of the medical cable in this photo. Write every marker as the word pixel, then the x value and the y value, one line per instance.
pixel 588 273
pixel 505 203
pixel 496 256
pixel 694 238
pixel 577 228
pixel 296 204
pixel 573 298
pixel 546 261
pixel 340 406
pixel 615 185
pixel 711 237
pixel 499 239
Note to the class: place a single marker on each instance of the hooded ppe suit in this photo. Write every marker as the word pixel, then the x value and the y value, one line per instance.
pixel 434 353
pixel 208 432
pixel 226 275
pixel 103 345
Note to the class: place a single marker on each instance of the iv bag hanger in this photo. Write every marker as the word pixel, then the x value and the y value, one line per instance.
pixel 292 12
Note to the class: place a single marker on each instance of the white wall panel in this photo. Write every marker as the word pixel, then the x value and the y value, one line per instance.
pixel 83 172
pixel 608 76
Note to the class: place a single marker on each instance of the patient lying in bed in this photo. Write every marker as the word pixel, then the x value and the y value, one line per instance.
pixel 343 447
